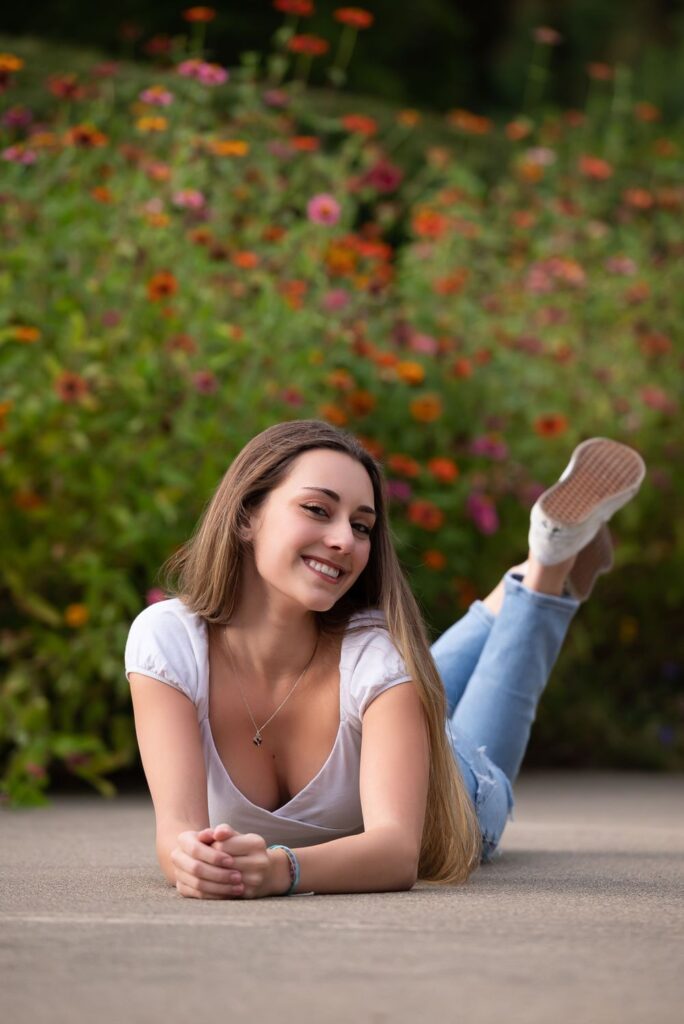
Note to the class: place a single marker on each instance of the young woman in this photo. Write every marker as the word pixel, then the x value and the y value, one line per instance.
pixel 296 731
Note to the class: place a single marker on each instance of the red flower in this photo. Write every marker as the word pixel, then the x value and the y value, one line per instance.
pixel 355 17
pixel 71 386
pixel 595 168
pixel 199 14
pixel 425 514
pixel 313 46
pixel 161 285
pixel 550 425
pixel 300 8
pixel 360 124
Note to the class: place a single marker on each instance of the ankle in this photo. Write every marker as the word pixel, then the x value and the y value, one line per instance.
pixel 547 579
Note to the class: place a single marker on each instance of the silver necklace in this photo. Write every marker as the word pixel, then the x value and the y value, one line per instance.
pixel 257 739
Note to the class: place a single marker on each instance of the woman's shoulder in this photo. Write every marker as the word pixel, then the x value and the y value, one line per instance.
pixel 165 641
pixel 372 659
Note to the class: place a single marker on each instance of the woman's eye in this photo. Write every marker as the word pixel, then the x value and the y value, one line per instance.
pixel 319 508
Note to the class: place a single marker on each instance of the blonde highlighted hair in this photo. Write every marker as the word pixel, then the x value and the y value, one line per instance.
pixel 205 573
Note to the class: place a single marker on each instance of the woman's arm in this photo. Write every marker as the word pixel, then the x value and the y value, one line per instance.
pixel 395 766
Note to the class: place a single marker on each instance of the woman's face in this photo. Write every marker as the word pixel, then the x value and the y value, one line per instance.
pixel 311 535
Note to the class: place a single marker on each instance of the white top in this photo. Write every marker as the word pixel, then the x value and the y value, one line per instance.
pixel 170 643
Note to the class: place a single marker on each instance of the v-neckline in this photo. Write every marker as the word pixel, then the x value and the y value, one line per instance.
pixel 278 811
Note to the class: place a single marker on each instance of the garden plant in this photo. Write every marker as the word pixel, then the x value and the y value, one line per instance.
pixel 191 253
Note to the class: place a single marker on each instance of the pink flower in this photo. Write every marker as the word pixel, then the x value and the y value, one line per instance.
pixel 541 155
pixel 154 595
pixel 491 446
pixel 275 98
pixel 424 343
pixel 157 96
pixel 19 155
pixel 205 382
pixel 212 74
pixel 335 299
pixel 17 117
pixel 399 490
pixel 292 396
pixel 482 510
pixel 189 199
pixel 323 209
pixel 621 265
pixel 111 318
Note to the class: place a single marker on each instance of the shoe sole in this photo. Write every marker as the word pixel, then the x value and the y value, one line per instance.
pixel 601 473
pixel 593 560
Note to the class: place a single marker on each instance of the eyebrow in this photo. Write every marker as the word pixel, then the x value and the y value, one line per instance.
pixel 336 497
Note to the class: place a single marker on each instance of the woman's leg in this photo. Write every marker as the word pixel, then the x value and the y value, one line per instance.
pixel 495 663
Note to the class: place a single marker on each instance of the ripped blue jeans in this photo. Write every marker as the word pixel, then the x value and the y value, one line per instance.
pixel 494 669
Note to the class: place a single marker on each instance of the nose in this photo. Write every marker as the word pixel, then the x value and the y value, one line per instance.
pixel 341 536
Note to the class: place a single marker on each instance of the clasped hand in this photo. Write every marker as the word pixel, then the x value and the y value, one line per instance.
pixel 220 864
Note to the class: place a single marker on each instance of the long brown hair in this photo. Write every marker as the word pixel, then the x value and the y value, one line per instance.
pixel 209 568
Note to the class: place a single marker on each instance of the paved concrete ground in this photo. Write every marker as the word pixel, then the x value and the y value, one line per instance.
pixel 581 920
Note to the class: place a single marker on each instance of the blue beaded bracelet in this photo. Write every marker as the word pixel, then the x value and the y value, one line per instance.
pixel 294 866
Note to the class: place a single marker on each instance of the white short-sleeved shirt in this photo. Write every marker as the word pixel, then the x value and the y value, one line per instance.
pixel 170 643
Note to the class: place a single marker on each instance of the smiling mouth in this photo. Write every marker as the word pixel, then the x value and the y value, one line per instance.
pixel 324 571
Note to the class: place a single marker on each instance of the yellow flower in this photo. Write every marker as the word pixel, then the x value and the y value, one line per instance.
pixel 76 615
pixel 146 125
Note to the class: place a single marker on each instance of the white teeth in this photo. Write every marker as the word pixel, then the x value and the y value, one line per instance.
pixel 326 569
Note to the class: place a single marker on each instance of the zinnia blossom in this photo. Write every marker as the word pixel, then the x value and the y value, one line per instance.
pixel 482 511
pixel 161 285
pixel 426 409
pixel 355 17
pixel 156 96
pixel 76 615
pixel 199 14
pixel 71 386
pixel 425 514
pixel 323 209
pixel 189 199
pixel 550 424
pixel 298 8
pixel 312 46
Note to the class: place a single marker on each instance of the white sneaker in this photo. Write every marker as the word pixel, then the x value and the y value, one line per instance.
pixel 601 477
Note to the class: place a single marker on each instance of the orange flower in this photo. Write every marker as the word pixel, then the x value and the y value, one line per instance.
pixel 529 171
pixel 161 285
pixel 637 292
pixel 340 379
pixel 76 615
pixel 71 387
pixel 361 402
pixel 444 469
pixel 273 233
pixel 516 130
pixel 425 514
pixel 404 465
pixel 102 194
pixel 434 559
pixel 355 17
pixel 523 219
pixel 245 259
pixel 5 408
pixel 22 332
pixel 305 143
pixel 148 125
pixel 371 445
pixel 473 124
pixel 426 409
pixel 550 425
pixel 28 500
pixel 333 414
pixel 427 223
pixel 312 46
pixel 662 147
pixel 385 359
pixel 228 147
pixel 201 14
pixel 453 283
pixel 359 124
pixel 409 117
pixel 600 72
pixel 9 63
pixel 462 367
pixel 595 167
pixel 86 136
pixel 655 344
pixel 340 259
pixel 639 198
pixel 645 111
pixel 410 372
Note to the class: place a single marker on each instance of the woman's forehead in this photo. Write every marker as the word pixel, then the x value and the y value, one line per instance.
pixel 334 470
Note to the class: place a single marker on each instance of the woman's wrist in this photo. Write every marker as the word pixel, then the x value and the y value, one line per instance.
pixel 280 872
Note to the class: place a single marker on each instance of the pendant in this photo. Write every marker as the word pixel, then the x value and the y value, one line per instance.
pixel 257 741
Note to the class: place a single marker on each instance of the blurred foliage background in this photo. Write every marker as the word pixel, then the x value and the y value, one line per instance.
pixel 465 245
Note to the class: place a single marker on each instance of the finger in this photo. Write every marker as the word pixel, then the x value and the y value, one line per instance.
pixel 202 889
pixel 199 870
pixel 197 850
pixel 240 844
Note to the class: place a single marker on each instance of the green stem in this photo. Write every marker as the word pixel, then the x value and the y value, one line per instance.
pixel 345 48
pixel 536 77
pixel 619 109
